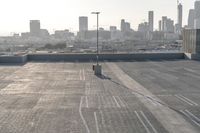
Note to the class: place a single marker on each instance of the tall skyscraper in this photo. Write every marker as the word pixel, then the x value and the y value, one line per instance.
pixel 191 18
pixel 180 15
pixel 164 22
pixel 170 26
pixel 160 25
pixel 123 25
pixel 83 23
pixel 197 15
pixel 167 25
pixel 151 21
pixel 143 27
pixel 128 26
pixel 35 28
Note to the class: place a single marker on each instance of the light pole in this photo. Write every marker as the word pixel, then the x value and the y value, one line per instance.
pixel 97 68
pixel 97 13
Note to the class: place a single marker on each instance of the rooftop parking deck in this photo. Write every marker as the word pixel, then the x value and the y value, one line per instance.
pixel 134 96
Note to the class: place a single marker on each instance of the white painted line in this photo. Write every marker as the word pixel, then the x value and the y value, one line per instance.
pixel 99 101
pixel 156 102
pixel 116 102
pixel 190 118
pixel 83 74
pixel 86 88
pixel 154 130
pixel 190 70
pixel 89 88
pixel 189 100
pixel 102 118
pixel 86 100
pixel 142 122
pixel 87 85
pixel 96 122
pixel 192 115
pixel 152 102
pixel 83 119
pixel 80 75
pixel 122 103
pixel 163 114
pixel 104 102
pixel 112 102
pixel 196 123
pixel 183 100
pixel 167 95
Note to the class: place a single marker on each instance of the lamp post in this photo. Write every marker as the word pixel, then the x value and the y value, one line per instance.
pixel 97 54
pixel 97 68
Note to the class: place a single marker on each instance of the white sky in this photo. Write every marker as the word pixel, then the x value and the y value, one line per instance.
pixel 63 14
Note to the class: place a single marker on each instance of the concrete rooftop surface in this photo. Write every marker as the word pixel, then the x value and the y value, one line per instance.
pixel 130 97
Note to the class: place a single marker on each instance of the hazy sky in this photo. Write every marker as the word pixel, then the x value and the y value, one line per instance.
pixel 63 14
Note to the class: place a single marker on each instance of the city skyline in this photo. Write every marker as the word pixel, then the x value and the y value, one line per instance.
pixel 55 15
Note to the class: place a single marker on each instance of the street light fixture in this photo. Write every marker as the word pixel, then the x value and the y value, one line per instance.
pixel 97 54
pixel 97 68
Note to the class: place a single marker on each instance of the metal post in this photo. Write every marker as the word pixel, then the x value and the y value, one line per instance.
pixel 97 68
pixel 97 54
pixel 97 38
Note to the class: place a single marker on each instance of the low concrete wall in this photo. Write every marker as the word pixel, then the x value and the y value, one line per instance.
pixel 109 57
pixel 89 57
pixel 14 59
pixel 190 56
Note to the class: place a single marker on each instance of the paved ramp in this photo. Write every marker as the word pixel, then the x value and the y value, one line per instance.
pixel 170 119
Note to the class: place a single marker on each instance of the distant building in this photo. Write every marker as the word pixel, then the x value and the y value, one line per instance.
pixel 100 28
pixel 158 35
pixel 179 24
pixel 170 26
pixel 197 15
pixel 180 16
pixel 126 30
pixel 115 34
pixel 160 25
pixel 171 36
pixel 164 21
pixel 143 28
pixel 25 35
pixel 125 26
pixel 83 27
pixel 44 33
pixel 92 35
pixel 113 28
pixel 35 28
pixel 16 35
pixel 151 21
pixel 128 26
pixel 167 25
pixel 191 39
pixel 83 24
pixel 176 28
pixel 63 34
pixel 191 18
